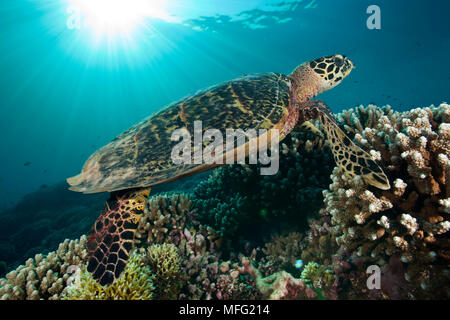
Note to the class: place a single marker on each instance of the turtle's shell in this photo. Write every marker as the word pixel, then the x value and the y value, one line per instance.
pixel 141 156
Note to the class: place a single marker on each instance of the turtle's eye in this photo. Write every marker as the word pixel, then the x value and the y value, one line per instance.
pixel 339 60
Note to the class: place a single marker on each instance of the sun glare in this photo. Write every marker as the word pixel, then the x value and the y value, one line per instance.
pixel 117 16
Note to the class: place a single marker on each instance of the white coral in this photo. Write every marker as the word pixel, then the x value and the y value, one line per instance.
pixel 409 223
pixel 384 222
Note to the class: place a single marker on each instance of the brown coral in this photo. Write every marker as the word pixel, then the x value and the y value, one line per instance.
pixel 44 277
pixel 283 251
pixel 411 219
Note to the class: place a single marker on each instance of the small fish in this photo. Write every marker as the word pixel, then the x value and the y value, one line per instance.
pixel 43 186
pixel 26 164
pixel 298 264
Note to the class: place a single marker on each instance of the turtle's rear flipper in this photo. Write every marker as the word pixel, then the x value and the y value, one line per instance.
pixel 350 158
pixel 112 237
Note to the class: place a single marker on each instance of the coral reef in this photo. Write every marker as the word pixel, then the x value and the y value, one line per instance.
pixel 45 218
pixel 167 217
pixel 278 286
pixel 42 220
pixel 319 276
pixel 221 280
pixel 165 263
pixel 44 277
pixel 403 230
pixel 195 265
pixel 135 283
pixel 282 252
pixel 239 234
pixel 237 200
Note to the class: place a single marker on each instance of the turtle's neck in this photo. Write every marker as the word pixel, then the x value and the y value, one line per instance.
pixel 292 117
pixel 304 84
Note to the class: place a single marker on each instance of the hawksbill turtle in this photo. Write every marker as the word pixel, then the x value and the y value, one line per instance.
pixel 141 157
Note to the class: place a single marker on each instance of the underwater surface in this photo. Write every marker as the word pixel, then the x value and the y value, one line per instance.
pixel 74 74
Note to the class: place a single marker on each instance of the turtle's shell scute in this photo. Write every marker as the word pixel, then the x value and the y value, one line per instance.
pixel 141 156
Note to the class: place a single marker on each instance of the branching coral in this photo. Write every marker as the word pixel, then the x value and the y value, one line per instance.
pixel 44 277
pixel 319 244
pixel 167 219
pixel 282 252
pixel 319 276
pixel 210 278
pixel 165 263
pixel 411 219
pixel 224 281
pixel 135 283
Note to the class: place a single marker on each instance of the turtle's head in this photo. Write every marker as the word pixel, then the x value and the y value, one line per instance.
pixel 319 75
pixel 332 70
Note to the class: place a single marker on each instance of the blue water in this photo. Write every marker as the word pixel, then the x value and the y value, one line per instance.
pixel 66 92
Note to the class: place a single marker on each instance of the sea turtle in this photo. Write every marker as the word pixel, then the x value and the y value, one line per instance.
pixel 141 157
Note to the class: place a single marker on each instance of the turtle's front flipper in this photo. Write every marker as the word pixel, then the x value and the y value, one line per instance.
pixel 308 126
pixel 350 158
pixel 112 237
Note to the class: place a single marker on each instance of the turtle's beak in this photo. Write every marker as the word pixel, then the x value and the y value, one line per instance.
pixel 347 67
pixel 352 64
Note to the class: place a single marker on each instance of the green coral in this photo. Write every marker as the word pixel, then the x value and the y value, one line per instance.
pixel 236 199
pixel 135 283
pixel 165 263
pixel 317 275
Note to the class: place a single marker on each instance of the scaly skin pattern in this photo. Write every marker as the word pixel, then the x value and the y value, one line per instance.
pixel 309 80
pixel 141 156
pixel 112 236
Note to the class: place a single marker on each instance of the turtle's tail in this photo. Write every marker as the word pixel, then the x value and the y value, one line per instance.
pixel 350 158
pixel 112 236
